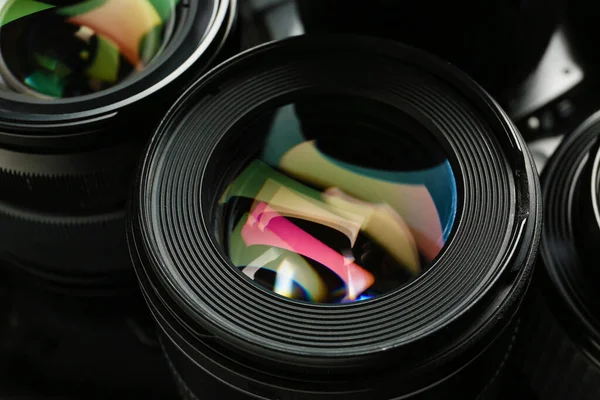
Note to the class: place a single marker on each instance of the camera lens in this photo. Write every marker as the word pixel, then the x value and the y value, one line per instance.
pixel 82 85
pixel 325 218
pixel 499 43
pixel 71 48
pixel 335 217
pixel 566 306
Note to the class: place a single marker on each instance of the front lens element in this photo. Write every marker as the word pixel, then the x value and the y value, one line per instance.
pixel 66 48
pixel 338 210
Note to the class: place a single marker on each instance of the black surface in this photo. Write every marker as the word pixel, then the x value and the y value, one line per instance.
pixel 39 337
pixel 58 345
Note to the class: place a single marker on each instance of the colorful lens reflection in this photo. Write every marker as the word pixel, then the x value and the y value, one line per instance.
pixel 60 48
pixel 318 228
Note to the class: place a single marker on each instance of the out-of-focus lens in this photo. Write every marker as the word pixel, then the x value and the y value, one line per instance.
pixel 324 218
pixel 561 337
pixel 82 84
pixel 71 48
pixel 586 215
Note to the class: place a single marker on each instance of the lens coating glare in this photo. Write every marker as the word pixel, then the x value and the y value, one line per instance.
pixel 62 48
pixel 334 211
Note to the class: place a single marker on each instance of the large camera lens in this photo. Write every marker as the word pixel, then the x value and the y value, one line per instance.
pixel 566 309
pixel 82 84
pixel 497 42
pixel 336 217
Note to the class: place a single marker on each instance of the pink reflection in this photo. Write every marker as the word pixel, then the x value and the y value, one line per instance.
pixel 267 227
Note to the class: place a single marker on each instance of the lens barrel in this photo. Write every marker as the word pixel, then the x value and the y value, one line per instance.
pixel 444 334
pixel 66 161
pixel 497 42
pixel 561 339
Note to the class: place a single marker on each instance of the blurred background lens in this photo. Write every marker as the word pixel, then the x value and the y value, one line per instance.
pixel 336 217
pixel 562 333
pixel 84 83
pixel 72 48
pixel 66 162
pixel 497 42
pixel 324 218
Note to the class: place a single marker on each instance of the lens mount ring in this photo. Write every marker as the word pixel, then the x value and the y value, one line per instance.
pixel 494 241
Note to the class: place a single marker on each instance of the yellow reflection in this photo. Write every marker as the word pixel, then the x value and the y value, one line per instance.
pixel 413 203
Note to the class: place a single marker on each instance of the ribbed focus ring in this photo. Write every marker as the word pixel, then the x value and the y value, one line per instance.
pixel 88 181
pixel 184 164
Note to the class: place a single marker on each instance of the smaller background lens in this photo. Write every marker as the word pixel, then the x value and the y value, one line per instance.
pixel 559 349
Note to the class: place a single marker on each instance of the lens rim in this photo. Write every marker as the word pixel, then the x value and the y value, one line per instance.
pixel 202 39
pixel 595 193
pixel 518 247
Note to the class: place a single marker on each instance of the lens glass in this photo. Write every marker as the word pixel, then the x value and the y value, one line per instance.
pixel 339 205
pixel 67 48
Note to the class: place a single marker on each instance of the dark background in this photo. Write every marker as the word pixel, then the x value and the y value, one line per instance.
pixel 50 344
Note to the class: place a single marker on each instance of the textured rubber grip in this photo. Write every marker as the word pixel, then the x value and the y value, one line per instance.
pixel 89 180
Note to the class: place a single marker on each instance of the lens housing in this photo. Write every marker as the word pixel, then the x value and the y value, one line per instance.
pixel 224 335
pixel 497 42
pixel 566 304
pixel 66 163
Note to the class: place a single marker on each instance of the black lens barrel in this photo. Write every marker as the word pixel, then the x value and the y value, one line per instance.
pixel 254 341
